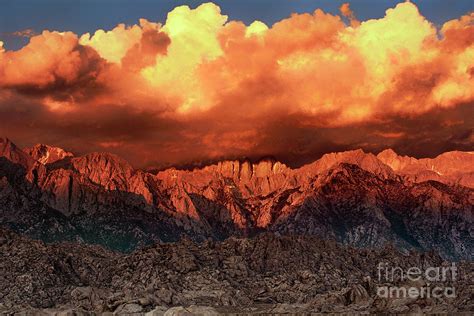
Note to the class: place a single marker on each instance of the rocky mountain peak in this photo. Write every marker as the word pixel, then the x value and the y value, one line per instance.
pixel 47 154
pixel 268 167
pixel 366 161
pixel 13 153
pixel 108 170
pixel 449 167
pixel 352 189
pixel 388 153
pixel 246 170
pixel 455 161
pixel 395 161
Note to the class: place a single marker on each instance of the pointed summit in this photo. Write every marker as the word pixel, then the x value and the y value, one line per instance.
pixel 47 154
pixel 395 161
pixel 246 170
pixel 13 153
pixel 387 154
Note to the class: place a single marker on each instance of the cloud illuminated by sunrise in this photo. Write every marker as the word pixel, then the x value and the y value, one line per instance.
pixel 201 66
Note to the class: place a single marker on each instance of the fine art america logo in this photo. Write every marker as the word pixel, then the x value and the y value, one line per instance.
pixel 429 282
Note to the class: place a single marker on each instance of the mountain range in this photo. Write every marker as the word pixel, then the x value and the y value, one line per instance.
pixel 355 198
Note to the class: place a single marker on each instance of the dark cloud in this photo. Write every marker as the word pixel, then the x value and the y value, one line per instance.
pixel 150 139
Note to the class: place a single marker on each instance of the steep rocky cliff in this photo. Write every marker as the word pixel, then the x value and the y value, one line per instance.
pixel 47 154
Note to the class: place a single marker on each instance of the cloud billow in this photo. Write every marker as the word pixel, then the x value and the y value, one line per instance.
pixel 203 87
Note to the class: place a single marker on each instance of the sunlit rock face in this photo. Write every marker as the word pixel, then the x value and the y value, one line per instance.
pixel 353 197
pixel 14 154
pixel 16 163
pixel 454 167
pixel 47 154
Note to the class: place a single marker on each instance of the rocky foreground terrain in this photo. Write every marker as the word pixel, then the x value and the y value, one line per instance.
pixel 352 197
pixel 265 274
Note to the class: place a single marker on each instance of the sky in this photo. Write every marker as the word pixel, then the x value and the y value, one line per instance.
pixel 82 16
pixel 187 82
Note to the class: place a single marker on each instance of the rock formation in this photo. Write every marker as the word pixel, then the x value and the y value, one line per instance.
pixel 47 154
pixel 265 274
pixel 352 197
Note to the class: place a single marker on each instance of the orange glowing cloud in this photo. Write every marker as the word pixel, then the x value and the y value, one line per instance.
pixel 113 45
pixel 310 63
pixel 51 63
pixel 193 35
pixel 224 81
pixel 348 13
pixel 49 57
